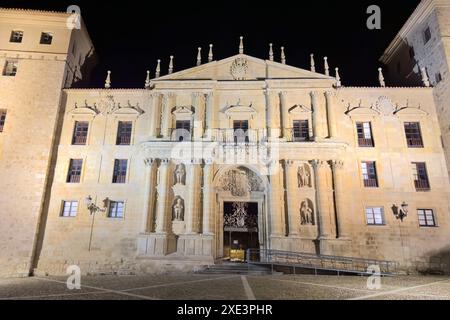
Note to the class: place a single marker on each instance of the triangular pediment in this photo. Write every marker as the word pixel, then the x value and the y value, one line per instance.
pixel 243 67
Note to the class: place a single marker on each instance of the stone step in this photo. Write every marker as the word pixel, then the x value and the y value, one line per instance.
pixel 228 268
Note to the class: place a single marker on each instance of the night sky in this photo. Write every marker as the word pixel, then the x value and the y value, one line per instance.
pixel 130 36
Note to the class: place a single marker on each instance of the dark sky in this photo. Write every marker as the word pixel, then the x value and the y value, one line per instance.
pixel 129 36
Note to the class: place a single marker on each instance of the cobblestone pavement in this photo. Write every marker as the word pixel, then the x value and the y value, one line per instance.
pixel 226 287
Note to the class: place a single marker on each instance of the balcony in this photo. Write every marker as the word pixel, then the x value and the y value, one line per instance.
pixel 422 185
pixel 296 135
pixel 119 179
pixel 365 143
pixel 370 183
pixel 123 140
pixel 74 178
pixel 415 143
pixel 79 140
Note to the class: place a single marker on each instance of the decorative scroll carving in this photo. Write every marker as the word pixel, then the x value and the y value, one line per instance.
pixel 304 176
pixel 240 182
pixel 240 218
pixel 307 213
pixel 239 69
pixel 178 210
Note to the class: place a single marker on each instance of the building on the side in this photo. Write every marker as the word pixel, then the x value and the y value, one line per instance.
pixel 421 51
pixel 240 153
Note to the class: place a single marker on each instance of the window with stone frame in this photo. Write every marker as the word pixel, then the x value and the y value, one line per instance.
pixel 16 36
pixel 120 171
pixel 301 131
pixel 116 209
pixel 426 218
pixel 420 174
pixel 369 172
pixel 240 128
pixel 413 135
pixel 365 136
pixel 183 130
pixel 69 209
pixel 46 38
pixel 375 216
pixel 2 119
pixel 124 131
pixel 74 174
pixel 80 133
pixel 10 68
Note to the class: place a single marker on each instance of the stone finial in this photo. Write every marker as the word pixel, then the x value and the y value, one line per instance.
pixel 147 80
pixel 210 54
pixel 270 51
pixel 241 45
pixel 158 69
pixel 199 56
pixel 327 67
pixel 171 65
pixel 381 77
pixel 313 63
pixel 338 79
pixel 425 79
pixel 108 80
pixel 283 56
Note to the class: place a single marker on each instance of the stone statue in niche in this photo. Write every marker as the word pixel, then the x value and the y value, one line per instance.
pixel 307 213
pixel 180 174
pixel 178 210
pixel 304 177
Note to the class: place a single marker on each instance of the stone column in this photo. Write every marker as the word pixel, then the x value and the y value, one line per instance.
pixel 317 130
pixel 149 198
pixel 341 209
pixel 324 191
pixel 198 117
pixel 268 114
pixel 209 106
pixel 291 187
pixel 332 124
pixel 192 212
pixel 162 202
pixel 276 201
pixel 154 120
pixel 284 125
pixel 208 197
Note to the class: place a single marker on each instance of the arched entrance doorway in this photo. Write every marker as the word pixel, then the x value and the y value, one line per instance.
pixel 241 219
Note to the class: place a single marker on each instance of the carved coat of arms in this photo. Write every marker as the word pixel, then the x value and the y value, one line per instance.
pixel 239 69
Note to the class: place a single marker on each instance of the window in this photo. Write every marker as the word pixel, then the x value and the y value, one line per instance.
pixel 116 209
pixel 364 131
pixel 426 35
pixel 74 174
pixel 183 130
pixel 421 181
pixel 369 172
pixel 301 130
pixel 46 38
pixel 438 77
pixel 426 218
pixel 16 36
pixel 240 131
pixel 2 119
pixel 124 133
pixel 69 209
pixel 375 216
pixel 413 135
pixel 120 171
pixel 80 133
pixel 10 68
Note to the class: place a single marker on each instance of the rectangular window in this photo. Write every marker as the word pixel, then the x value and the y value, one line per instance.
pixel 116 209
pixel 375 216
pixel 2 119
pixel 426 35
pixel 426 218
pixel 16 36
pixel 369 173
pixel 365 137
pixel 46 38
pixel 421 181
pixel 240 128
pixel 301 130
pixel 183 130
pixel 120 171
pixel 10 68
pixel 69 209
pixel 80 133
pixel 413 135
pixel 124 133
pixel 74 174
pixel 438 77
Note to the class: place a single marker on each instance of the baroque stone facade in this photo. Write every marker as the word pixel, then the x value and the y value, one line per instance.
pixel 326 169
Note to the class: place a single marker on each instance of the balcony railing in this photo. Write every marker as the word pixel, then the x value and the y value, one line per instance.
pixel 74 178
pixel 294 135
pixel 365 143
pixel 370 183
pixel 415 143
pixel 124 140
pixel 79 140
pixel 119 179
pixel 422 185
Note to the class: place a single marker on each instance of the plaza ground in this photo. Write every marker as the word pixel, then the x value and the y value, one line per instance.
pixel 227 287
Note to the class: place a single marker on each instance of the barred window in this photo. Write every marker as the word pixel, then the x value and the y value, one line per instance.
pixel 116 209
pixel 120 171
pixel 2 119
pixel 369 173
pixel 301 130
pixel 124 133
pixel 74 174
pixel 69 209
pixel 426 218
pixel 420 174
pixel 375 216
pixel 16 36
pixel 364 131
pixel 10 69
pixel 80 133
pixel 413 135
pixel 46 38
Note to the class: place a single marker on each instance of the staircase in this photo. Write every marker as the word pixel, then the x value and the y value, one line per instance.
pixel 237 268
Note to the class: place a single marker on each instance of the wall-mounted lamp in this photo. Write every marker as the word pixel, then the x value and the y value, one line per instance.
pixel 402 212
pixel 93 208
